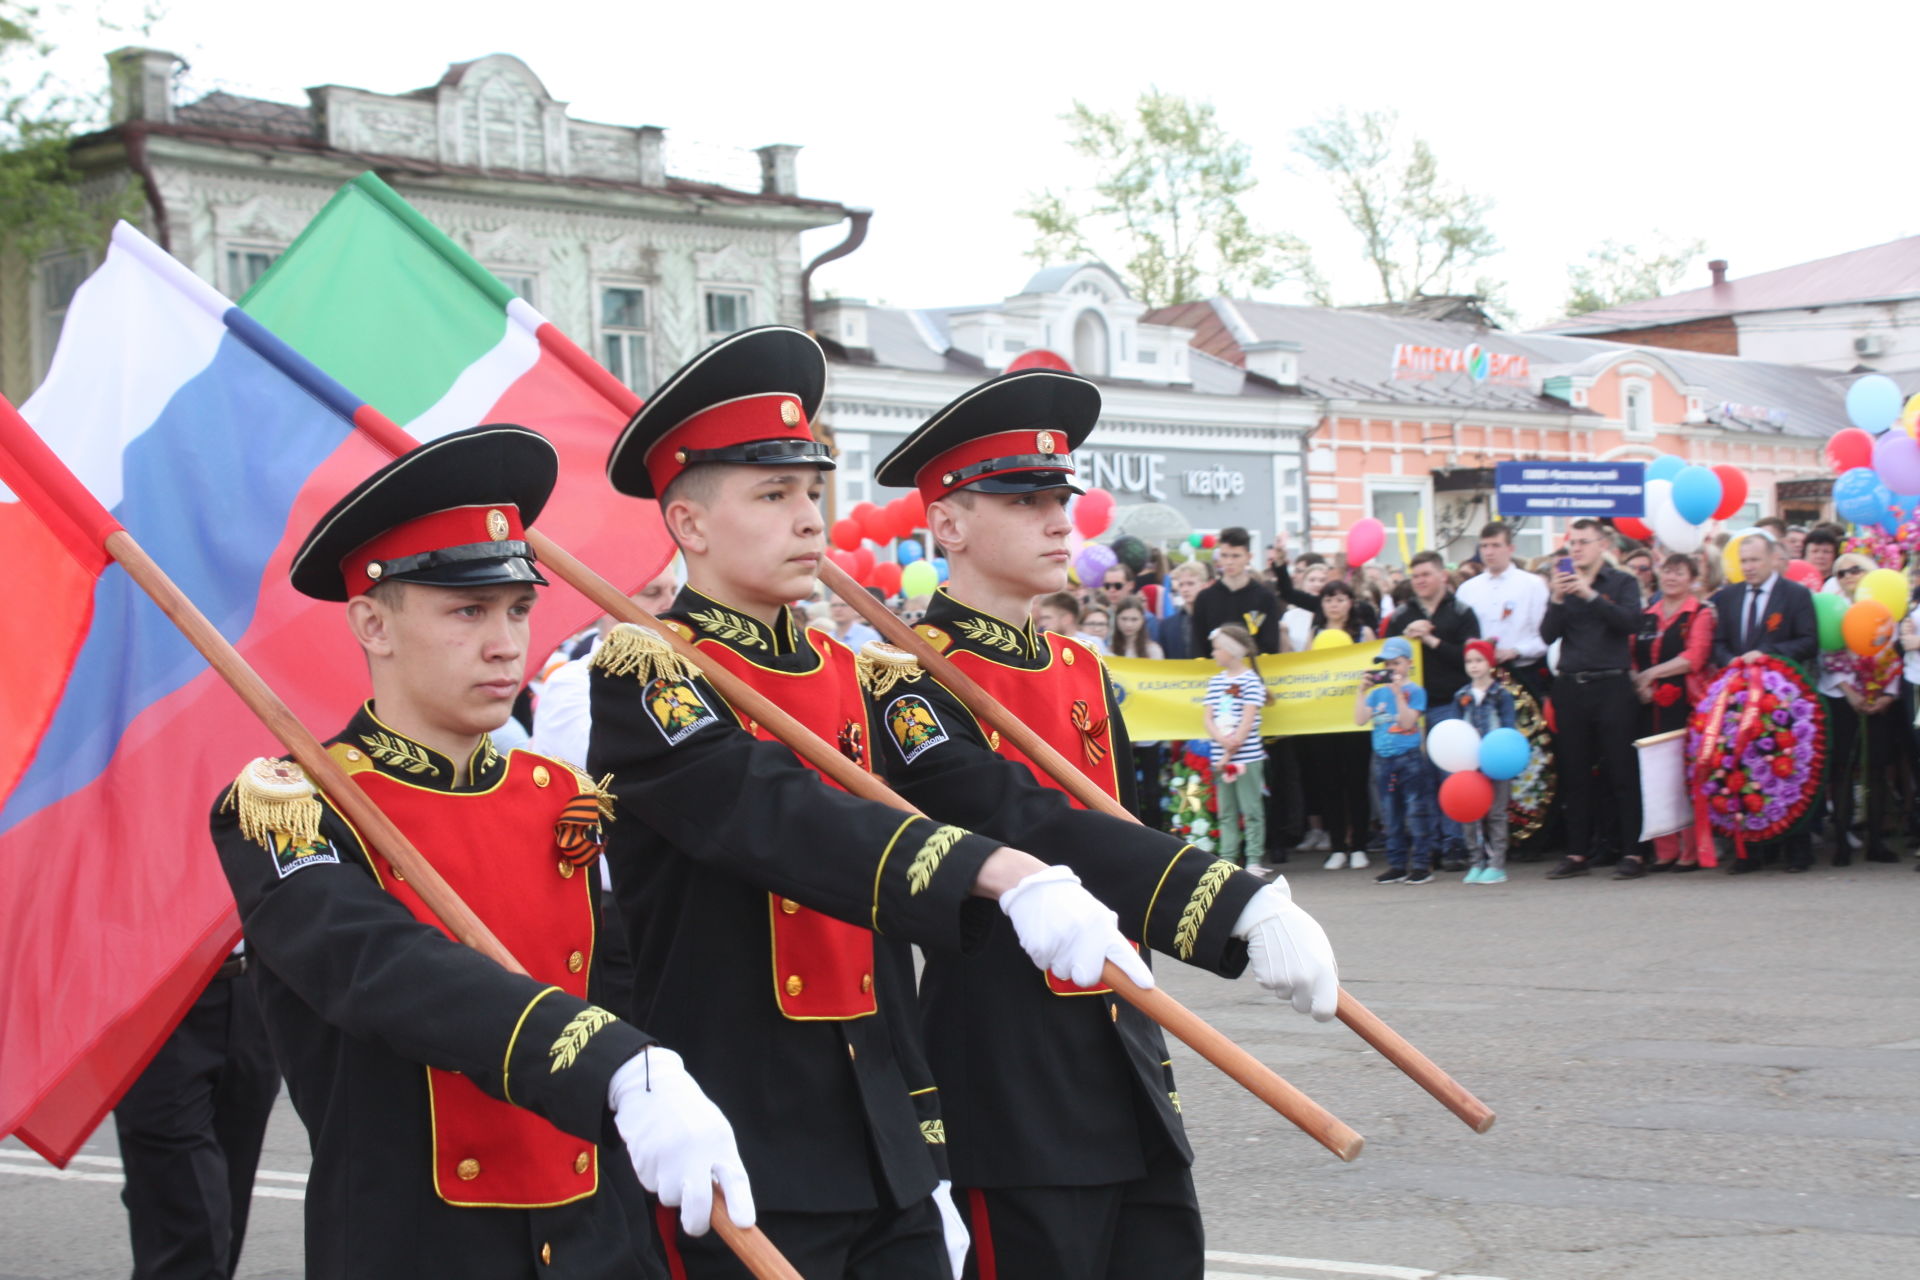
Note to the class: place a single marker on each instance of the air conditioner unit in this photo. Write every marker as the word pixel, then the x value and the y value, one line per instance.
pixel 1870 344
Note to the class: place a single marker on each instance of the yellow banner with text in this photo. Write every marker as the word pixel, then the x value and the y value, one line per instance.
pixel 1313 692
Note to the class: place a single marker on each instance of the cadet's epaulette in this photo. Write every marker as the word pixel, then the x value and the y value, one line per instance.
pixel 631 650
pixel 578 831
pixel 934 636
pixel 880 666
pixel 274 797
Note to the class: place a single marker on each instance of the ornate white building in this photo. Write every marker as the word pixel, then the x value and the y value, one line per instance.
pixel 588 221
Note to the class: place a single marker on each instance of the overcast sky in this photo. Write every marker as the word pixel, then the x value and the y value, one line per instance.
pixel 1776 134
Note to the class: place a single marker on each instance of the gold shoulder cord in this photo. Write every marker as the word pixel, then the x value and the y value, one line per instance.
pixel 880 667
pixel 632 650
pixel 274 797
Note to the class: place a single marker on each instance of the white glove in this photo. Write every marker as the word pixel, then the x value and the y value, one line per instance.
pixel 952 1227
pixel 678 1141
pixel 1289 951
pixel 1066 930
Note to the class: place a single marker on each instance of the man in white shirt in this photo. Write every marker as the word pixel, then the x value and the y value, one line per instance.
pixel 1510 604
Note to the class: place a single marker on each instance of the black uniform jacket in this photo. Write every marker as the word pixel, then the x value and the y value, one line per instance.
pixel 715 828
pixel 1041 1089
pixel 360 997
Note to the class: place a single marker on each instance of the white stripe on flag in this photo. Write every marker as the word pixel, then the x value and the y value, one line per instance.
pixel 482 383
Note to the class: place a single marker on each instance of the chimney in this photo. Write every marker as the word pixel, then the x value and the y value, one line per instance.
pixel 653 155
pixel 778 174
pixel 1719 268
pixel 844 320
pixel 1275 359
pixel 142 84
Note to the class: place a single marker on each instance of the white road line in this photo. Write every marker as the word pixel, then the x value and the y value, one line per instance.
pixel 1324 1265
pixel 29 1165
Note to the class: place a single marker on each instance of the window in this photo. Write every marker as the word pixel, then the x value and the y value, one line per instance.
pixel 852 473
pixel 623 335
pixel 60 277
pixel 521 282
pixel 245 266
pixel 728 311
pixel 1636 407
pixel 1090 345
pixel 1404 505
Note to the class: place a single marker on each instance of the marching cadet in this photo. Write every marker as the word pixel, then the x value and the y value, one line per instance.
pixel 1063 1118
pixel 769 914
pixel 457 1113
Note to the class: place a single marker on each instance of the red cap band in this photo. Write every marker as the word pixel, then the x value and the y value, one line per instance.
pixel 454 527
pixel 941 476
pixel 750 419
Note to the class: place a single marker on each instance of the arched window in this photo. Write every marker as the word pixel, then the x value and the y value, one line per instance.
pixel 1090 344
pixel 1636 407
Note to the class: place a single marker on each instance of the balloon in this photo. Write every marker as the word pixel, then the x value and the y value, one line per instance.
pixel 1805 574
pixel 1131 552
pixel 1093 562
pixel 846 561
pixel 1829 609
pixel 1093 512
pixel 1858 496
pixel 940 568
pixel 886 576
pixel 1730 559
pixel 1868 627
pixel 1364 541
pixel 1207 540
pixel 1896 460
pixel 1331 638
pixel 1466 797
pixel 1633 528
pixel 871 520
pixel 1733 490
pixel 1664 467
pixel 1848 448
pixel 1874 403
pixel 1504 754
pixel 1696 492
pixel 899 518
pixel 862 563
pixel 1887 586
pixel 1193 540
pixel 1674 531
pixel 846 534
pixel 1454 745
pixel 909 551
pixel 1910 416
pixel 918 579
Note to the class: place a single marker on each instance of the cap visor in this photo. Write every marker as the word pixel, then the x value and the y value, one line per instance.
pixel 476 573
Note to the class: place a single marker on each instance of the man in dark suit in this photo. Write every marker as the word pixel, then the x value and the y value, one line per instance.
pixel 1767 615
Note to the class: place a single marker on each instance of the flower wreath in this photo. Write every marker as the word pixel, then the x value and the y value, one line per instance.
pixel 1758 743
pixel 1192 808
pixel 1530 800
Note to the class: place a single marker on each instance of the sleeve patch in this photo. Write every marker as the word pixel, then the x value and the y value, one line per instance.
pixel 291 854
pixel 935 1132
pixel 913 726
pixel 677 708
pixel 565 1050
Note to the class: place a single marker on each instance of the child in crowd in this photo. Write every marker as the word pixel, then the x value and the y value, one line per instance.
pixel 1402 779
pixel 1486 704
pixel 1235 698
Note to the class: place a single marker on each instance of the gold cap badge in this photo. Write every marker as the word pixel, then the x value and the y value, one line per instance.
pixel 497 527
pixel 790 413
pixel 1044 441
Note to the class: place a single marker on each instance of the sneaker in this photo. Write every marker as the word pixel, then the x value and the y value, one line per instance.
pixel 1317 841
pixel 1493 875
pixel 1473 875
pixel 1336 861
pixel 1358 859
pixel 1390 876
pixel 1567 869
pixel 1419 877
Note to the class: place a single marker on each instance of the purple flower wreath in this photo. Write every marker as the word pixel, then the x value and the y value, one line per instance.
pixel 1758 746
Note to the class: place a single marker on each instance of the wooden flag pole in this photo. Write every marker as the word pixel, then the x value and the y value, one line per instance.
pixel 1450 1093
pixel 1247 1070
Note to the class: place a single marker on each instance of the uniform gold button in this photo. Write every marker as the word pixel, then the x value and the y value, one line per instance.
pixel 789 906
pixel 1066 656
pixel 576 962
pixel 581 1161
pixel 566 869
pixel 540 775
pixel 794 985
pixel 546 1255
pixel 866 982
pixel 353 755
pixel 468 1169
pixel 753 726
pixel 1113 1013
pixel 993 740
pixel 851 1055
pixel 396 873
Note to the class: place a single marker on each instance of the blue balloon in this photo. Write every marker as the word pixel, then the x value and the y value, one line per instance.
pixel 1696 494
pixel 1874 402
pixel 940 568
pixel 1504 754
pixel 1859 497
pixel 910 551
pixel 1665 467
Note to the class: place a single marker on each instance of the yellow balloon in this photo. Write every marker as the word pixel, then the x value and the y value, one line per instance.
pixel 1888 587
pixel 1731 559
pixel 1331 639
pixel 1910 416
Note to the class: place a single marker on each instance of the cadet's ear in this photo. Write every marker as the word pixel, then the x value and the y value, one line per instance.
pixel 371 624
pixel 686 524
pixel 946 521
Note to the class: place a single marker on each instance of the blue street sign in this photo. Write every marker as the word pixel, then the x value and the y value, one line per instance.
pixel 1570 488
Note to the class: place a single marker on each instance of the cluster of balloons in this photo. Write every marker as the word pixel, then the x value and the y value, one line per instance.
pixel 903 570
pixel 1681 499
pixel 1473 764
pixel 1870 623
pixel 1877 468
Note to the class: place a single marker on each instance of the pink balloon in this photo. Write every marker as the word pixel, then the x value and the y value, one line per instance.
pixel 1364 540
pixel 1805 574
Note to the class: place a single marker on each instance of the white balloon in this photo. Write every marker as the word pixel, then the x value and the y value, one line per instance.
pixel 1659 498
pixel 1674 533
pixel 1454 746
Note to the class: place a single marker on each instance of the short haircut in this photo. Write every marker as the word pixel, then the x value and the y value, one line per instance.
pixel 1428 557
pixel 1588 522
pixel 1823 535
pixel 964 497
pixel 1638 550
pixel 696 483
pixel 1497 529
pixel 1064 601
pixel 1188 569
pixel 1678 561
pixel 1774 523
pixel 1310 560
pixel 1234 536
pixel 390 595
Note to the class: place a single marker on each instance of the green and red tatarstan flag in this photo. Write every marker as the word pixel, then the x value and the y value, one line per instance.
pixel 385 302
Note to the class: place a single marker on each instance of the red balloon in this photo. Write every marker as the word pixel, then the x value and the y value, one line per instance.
pixel 1733 488
pixel 1805 574
pixel 905 519
pixel 872 521
pixel 1093 513
pixel 846 534
pixel 846 560
pixel 1846 450
pixel 1635 529
pixel 1038 358
pixel 862 563
pixel 1466 797
pixel 886 576
pixel 918 506
pixel 1207 540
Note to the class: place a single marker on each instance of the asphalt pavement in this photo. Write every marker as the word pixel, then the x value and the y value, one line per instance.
pixel 1697 1077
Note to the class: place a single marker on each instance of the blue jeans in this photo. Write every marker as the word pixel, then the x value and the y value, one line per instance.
pixel 1404 786
pixel 1451 835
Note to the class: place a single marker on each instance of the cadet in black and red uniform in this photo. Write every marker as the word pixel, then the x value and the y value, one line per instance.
pixel 1063 1118
pixel 769 913
pixel 464 1120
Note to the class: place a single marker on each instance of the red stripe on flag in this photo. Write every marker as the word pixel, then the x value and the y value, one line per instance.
pixel 41 633
pixel 590 371
pixel 30 469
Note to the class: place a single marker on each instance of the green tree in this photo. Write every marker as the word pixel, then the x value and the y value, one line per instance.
pixel 1420 234
pixel 1616 273
pixel 1165 204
